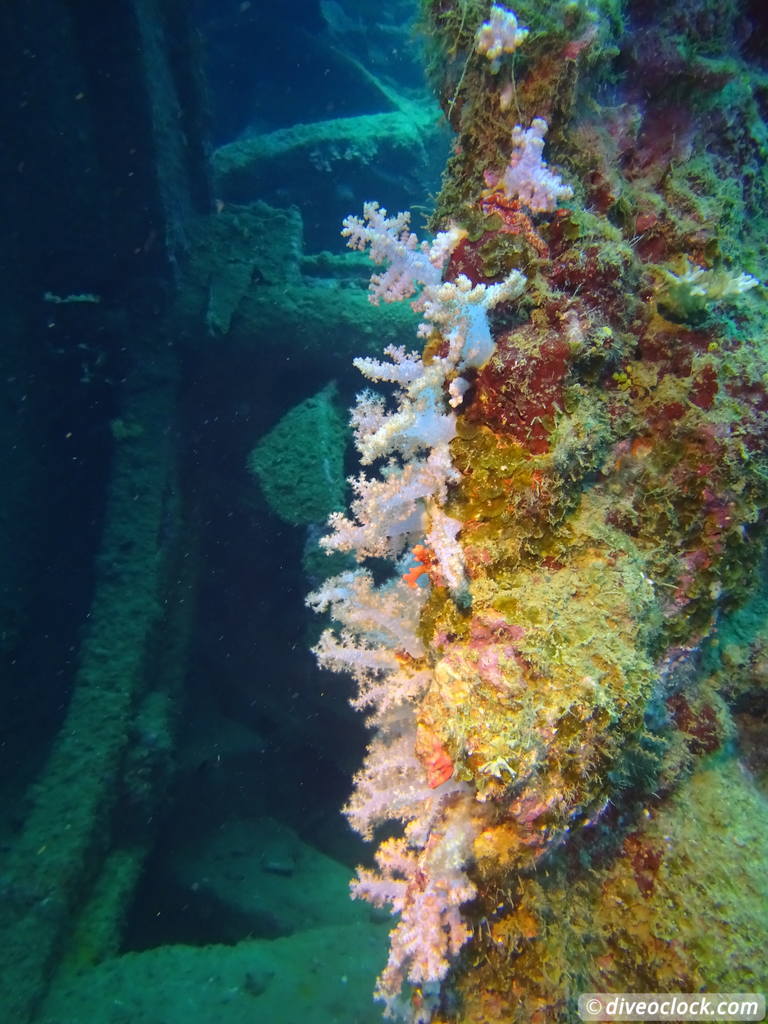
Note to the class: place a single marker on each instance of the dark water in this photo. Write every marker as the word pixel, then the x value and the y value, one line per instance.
pixel 172 762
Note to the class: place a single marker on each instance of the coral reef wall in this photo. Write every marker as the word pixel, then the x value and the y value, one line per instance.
pixel 577 459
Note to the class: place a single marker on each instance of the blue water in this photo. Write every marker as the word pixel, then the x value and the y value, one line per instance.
pixel 172 762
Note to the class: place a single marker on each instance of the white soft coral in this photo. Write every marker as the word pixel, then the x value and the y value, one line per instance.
pixel 420 421
pixel 389 240
pixel 500 34
pixel 426 889
pixel 389 510
pixel 527 176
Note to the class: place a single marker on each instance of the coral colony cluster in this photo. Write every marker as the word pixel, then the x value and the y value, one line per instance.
pixel 567 478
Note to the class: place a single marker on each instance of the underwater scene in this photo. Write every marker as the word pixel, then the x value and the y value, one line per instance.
pixel 384 605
